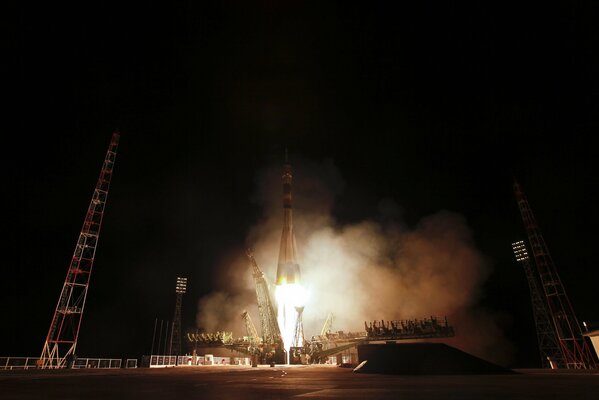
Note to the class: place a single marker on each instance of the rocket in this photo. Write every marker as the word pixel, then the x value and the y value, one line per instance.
pixel 288 270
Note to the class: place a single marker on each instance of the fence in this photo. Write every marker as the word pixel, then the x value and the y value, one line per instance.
pixel 157 361
pixel 228 361
pixel 32 363
pixel 154 361
pixel 104 363
pixel 18 362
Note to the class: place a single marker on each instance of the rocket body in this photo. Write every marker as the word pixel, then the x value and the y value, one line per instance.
pixel 289 292
pixel 288 270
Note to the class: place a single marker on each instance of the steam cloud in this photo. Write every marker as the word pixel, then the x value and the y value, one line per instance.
pixel 364 271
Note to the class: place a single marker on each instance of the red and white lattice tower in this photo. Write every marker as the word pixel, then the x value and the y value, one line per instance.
pixel 64 329
pixel 549 347
pixel 576 351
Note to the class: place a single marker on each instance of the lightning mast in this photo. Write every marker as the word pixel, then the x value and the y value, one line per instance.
pixel 61 340
pixel 180 290
pixel 549 347
pixel 575 349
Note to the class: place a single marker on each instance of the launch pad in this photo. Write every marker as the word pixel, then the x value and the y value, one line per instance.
pixel 318 348
pixel 282 339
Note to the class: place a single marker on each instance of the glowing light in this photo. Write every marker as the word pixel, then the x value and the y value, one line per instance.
pixel 289 297
pixel 293 294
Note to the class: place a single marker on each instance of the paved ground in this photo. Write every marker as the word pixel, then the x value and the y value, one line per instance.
pixel 283 382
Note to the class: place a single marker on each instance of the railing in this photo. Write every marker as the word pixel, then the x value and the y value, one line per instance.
pixel 104 363
pixel 409 329
pixel 157 361
pixel 18 362
pixel 162 361
pixel 8 363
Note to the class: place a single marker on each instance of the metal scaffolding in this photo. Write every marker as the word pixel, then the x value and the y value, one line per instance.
pixel 576 351
pixel 271 347
pixel 549 348
pixel 63 333
pixel 180 290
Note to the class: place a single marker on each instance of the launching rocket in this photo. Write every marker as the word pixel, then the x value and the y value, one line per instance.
pixel 289 292
pixel 288 270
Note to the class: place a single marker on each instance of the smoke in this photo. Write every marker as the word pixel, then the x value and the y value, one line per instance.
pixel 221 310
pixel 364 271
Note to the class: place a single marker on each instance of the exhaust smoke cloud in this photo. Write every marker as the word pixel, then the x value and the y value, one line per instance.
pixel 364 271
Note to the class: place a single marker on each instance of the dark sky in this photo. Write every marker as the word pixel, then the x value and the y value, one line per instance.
pixel 435 106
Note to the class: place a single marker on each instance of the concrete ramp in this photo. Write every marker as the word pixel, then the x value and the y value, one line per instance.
pixel 422 359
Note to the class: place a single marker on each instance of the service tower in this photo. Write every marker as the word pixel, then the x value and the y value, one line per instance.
pixel 289 292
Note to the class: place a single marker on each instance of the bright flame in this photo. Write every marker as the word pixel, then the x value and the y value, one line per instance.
pixel 293 294
pixel 289 297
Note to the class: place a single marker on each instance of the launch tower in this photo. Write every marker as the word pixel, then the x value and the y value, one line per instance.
pixel 549 348
pixel 271 335
pixel 576 351
pixel 61 340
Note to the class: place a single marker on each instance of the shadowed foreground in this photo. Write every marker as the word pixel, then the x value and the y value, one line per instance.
pixel 423 359
pixel 313 382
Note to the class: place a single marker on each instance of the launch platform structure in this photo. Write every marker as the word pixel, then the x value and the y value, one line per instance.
pixel 576 351
pixel 271 334
pixel 61 341
pixel 298 336
pixel 251 331
pixel 180 290
pixel 298 344
pixel 317 348
pixel 328 325
pixel 549 347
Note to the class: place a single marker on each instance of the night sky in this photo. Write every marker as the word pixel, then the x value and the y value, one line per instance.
pixel 435 106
